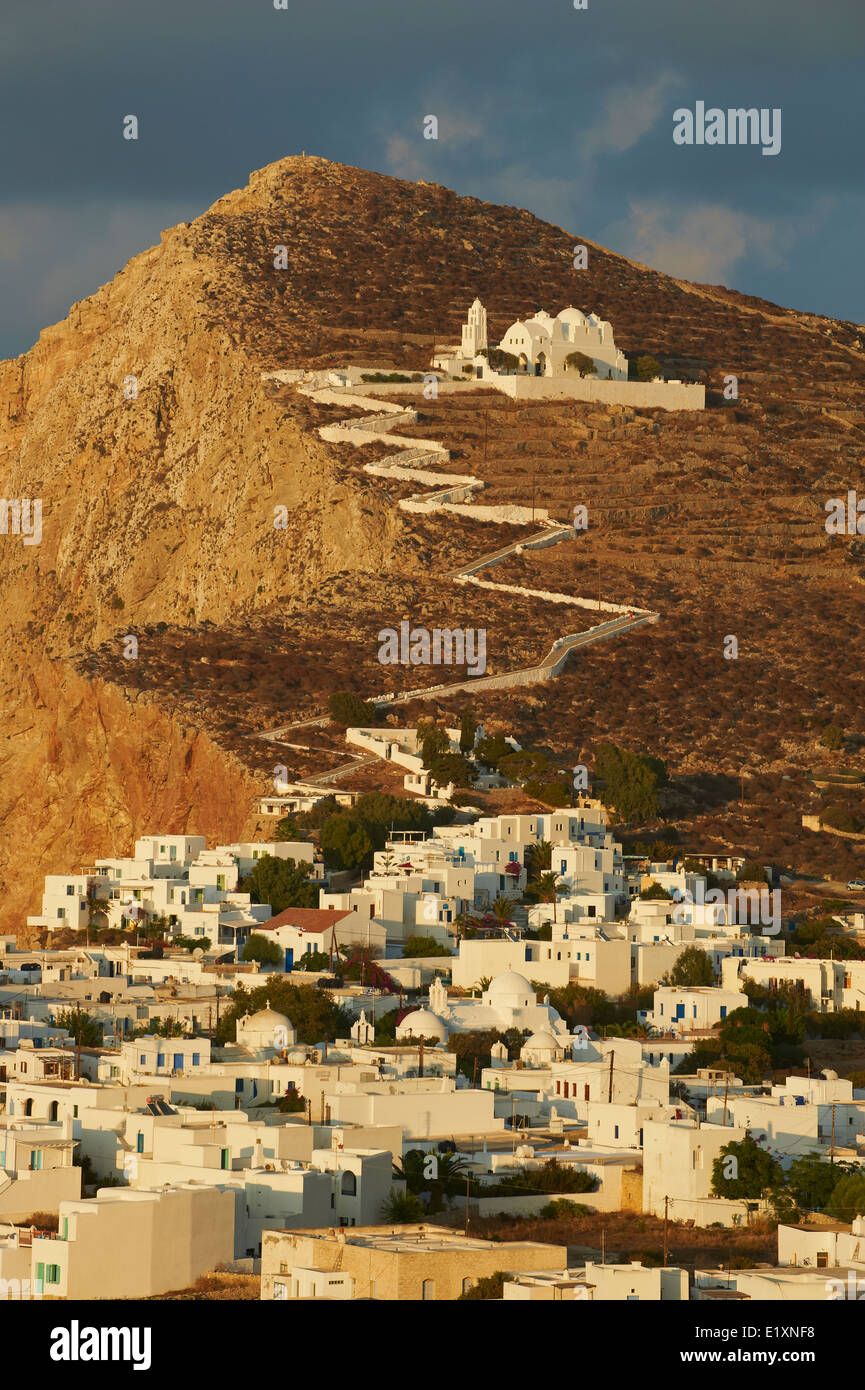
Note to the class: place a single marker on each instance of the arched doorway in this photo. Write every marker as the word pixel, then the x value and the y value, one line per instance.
pixel 54 1110
pixel 541 364
pixel 523 363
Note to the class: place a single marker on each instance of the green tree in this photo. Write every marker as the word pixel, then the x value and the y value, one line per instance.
pixel 432 740
pixel 547 888
pixel 549 793
pixel 489 1286
pixel 311 1010
pixel 502 909
pixel 403 1209
pixel 86 1031
pixel 631 781
pixel 752 872
pixel 468 729
pixel 424 946
pixel 262 949
pixel 752 1173
pixel 345 843
pixel 848 1197
pixel 450 767
pixel 539 858
pixel 350 710
pixel 648 368
pixel 812 1181
pixel 280 882
pixel 833 737
pixel 490 751
pixel 288 829
pixel 579 362
pixel 692 969
pixel 653 892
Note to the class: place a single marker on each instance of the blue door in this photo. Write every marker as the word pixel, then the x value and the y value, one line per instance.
pixel 289 958
pixel 680 1011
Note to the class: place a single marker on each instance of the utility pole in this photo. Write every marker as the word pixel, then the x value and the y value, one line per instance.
pixel 78 1047
pixel 599 585
pixel 610 1088
pixel 514 1126
pixel 534 475
pixel 726 1088
pixel 420 1058
pixel 666 1210
pixel 832 1149
pixel 466 1230
pixel 603 1247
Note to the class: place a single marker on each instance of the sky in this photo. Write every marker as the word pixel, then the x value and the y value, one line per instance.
pixel 566 112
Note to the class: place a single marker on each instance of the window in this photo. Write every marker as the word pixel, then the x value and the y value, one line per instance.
pixel 139 1143
pixel 349 1185
pixel 616 1132
pixel 196 1059
pixel 70 890
pixel 160 1059
pixel 220 882
pixel 225 1158
pixel 467 1284
pixel 142 1061
pixel 428 1289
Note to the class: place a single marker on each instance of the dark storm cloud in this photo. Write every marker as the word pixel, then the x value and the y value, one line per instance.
pixel 566 112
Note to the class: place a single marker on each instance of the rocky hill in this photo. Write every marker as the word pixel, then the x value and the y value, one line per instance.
pixel 158 507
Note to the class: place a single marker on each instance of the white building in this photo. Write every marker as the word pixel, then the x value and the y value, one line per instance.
pixel 542 344
pixel 509 1002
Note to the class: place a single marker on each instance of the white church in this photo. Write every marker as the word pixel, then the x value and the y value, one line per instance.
pixel 509 1002
pixel 540 346
pixel 538 365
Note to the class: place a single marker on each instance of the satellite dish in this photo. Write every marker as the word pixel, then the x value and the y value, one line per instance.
pixel 198 953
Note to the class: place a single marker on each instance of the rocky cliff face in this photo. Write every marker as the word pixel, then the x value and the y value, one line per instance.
pixel 84 770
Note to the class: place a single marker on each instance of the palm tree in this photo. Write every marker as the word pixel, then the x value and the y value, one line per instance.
pixel 403 1209
pixel 548 888
pixel 538 858
pixel 501 910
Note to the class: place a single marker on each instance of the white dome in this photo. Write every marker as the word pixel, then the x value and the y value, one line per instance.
pixel 266 1028
pixel 422 1024
pixel 541 1042
pixel 510 983
pixel 267 1018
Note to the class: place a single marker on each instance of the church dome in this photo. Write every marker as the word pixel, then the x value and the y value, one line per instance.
pixel 266 1028
pixel 422 1024
pixel 510 983
pixel 541 1042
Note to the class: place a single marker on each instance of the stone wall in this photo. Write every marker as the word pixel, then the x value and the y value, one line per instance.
pixel 648 395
